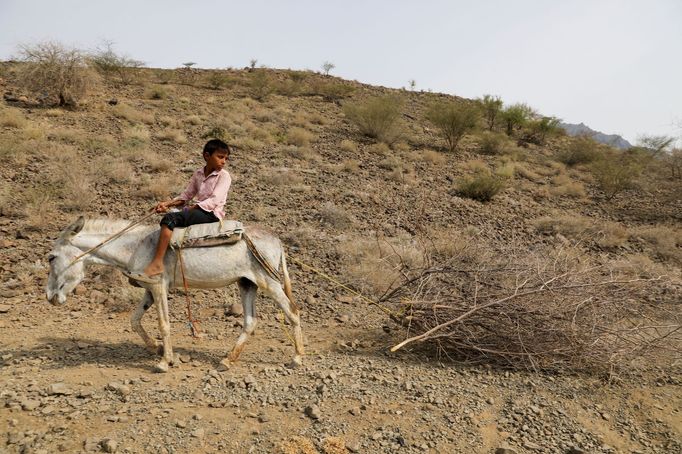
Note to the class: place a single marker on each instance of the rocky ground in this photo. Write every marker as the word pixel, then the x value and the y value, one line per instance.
pixel 76 378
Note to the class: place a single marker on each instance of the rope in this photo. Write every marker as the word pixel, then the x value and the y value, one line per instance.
pixel 193 323
pixel 358 294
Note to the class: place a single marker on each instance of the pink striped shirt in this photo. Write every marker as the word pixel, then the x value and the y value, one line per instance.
pixel 210 192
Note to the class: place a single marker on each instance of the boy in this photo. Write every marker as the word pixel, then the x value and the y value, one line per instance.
pixel 209 186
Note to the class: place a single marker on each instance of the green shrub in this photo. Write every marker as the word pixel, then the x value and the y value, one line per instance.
pixel 217 80
pixel 581 150
pixel 57 74
pixel 377 118
pixel 516 116
pixel 540 129
pixel 490 107
pixel 453 121
pixel 616 173
pixel 482 187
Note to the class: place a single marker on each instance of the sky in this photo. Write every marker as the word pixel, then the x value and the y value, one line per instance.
pixel 615 65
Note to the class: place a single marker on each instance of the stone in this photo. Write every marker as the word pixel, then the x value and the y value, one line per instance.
pixel 119 388
pixel 30 404
pixel 531 445
pixel 353 446
pixel 4 308
pixel 198 433
pixel 505 450
pixel 235 310
pixel 58 389
pixel 313 412
pixel 605 416
pixel 310 300
pixel 109 445
pixel 345 318
pixel 346 299
pixel 181 424
pixel 250 381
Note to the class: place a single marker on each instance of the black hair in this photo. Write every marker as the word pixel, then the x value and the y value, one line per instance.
pixel 214 145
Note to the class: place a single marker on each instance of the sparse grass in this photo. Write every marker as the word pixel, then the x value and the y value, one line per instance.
pixel 615 174
pixel 432 156
pixel 302 153
pixel 133 116
pixel 379 149
pixel 39 208
pixel 492 143
pixel 168 121
pixel 116 170
pixel 335 216
pixel 350 166
pixel 157 187
pixel 390 163
pixel 524 172
pixel 476 166
pixel 563 185
pixel 158 163
pixel 12 118
pixel 348 146
pixel 193 120
pixel 506 170
pixel 69 136
pixel 156 92
pixel 605 234
pixel 299 137
pixel 137 135
pixel 171 135
pixel 665 241
pixel 281 177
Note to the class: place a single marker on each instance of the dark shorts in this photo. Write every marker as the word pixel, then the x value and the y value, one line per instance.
pixel 185 218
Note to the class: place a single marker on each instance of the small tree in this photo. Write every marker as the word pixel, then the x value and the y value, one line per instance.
pixel 55 73
pixel 453 121
pixel 491 107
pixel 581 150
pixel 413 84
pixel 377 117
pixel 110 64
pixel 252 64
pixel 516 116
pixel 260 85
pixel 541 128
pixel 656 145
pixel 674 161
pixel 189 64
pixel 616 173
pixel 327 66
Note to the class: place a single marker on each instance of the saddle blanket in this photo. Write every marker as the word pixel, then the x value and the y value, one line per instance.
pixel 206 235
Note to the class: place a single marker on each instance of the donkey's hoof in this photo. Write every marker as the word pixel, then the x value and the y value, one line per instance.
pixel 224 365
pixel 161 367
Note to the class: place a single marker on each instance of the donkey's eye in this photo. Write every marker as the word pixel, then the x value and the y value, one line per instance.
pixel 51 257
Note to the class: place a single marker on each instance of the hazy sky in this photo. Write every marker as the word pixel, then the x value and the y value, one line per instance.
pixel 615 65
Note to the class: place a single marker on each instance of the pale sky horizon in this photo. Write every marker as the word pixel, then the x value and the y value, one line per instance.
pixel 613 65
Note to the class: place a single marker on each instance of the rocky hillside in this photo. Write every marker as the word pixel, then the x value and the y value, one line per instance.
pixel 77 377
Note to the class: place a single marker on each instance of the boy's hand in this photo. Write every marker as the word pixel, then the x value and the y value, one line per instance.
pixel 161 207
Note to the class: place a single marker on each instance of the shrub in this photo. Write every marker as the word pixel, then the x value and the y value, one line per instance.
pixel 581 150
pixel 491 107
pixel 260 85
pixel 492 143
pixel 299 137
pixel 156 92
pixel 540 129
pixel 564 186
pixel 327 66
pixel 516 116
pixel 349 146
pixel 332 91
pixel 132 115
pixel 453 121
pixel 171 135
pixel 12 118
pixel 217 80
pixel 376 117
pixel 110 64
pixel 56 74
pixel 615 174
pixel 482 187
pixel 674 161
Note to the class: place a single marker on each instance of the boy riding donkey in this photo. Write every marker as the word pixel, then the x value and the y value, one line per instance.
pixel 208 186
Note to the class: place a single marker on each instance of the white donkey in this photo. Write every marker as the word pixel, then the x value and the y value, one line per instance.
pixel 207 267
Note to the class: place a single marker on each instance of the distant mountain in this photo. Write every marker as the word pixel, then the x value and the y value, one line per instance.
pixel 609 139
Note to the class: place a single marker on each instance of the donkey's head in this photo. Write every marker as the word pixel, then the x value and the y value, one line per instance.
pixel 65 274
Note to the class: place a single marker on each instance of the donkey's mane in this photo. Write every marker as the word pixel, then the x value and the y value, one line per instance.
pixel 109 226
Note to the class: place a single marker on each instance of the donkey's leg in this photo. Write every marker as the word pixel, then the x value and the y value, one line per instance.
pixel 161 299
pixel 153 345
pixel 275 291
pixel 247 291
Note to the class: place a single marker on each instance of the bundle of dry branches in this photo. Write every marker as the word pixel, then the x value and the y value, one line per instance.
pixel 546 310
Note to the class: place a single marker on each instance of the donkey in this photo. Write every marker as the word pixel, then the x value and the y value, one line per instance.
pixel 207 267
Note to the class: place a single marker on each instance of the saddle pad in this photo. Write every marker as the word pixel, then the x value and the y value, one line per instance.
pixel 205 235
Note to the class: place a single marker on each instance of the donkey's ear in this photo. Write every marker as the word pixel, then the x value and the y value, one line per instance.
pixel 76 226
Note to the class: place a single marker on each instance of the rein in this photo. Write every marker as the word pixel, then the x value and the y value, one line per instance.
pixel 112 237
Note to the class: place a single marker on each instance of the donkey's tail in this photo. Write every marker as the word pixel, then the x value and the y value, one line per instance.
pixel 287 282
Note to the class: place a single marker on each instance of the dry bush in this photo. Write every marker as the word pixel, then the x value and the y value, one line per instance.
pixel 377 118
pixel 666 242
pixel 54 73
pixel 453 121
pixel 581 150
pixel 390 163
pixel 564 186
pixel 550 309
pixel 260 85
pixel 168 121
pixel 316 118
pixel 332 91
pixel 156 92
pixel 374 265
pixel 300 237
pixel 9 207
pixel 137 135
pixel 380 149
pixel 603 233
pixel 615 174
pixel 116 170
pixel 38 207
pixel 302 153
pixel 112 65
pixel 431 156
pixel 482 187
pixel 301 120
pixel 54 113
pixel 264 116
pixel 132 115
pixel 157 187
pixel 171 135
pixel 348 146
pixel 335 216
pixel 12 118
pixel 299 137
pixel 493 143
pixel 281 177
pixel 67 135
pixel 350 166
pixel 524 172
pixel 505 170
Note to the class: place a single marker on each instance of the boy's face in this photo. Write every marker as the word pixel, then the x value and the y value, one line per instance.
pixel 216 161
